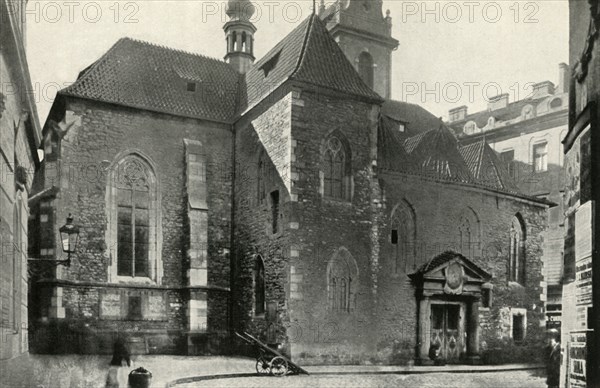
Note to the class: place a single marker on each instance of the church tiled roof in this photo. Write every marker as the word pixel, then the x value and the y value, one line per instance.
pixel 416 119
pixel 486 167
pixel 310 55
pixel 146 76
pixel 437 154
pixel 143 75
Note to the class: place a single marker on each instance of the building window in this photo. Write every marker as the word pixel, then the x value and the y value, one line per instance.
pixel 518 324
pixel 470 128
pixel 486 297
pixel 342 275
pixel 133 219
pixel 365 68
pixel 336 169
pixel 540 157
pixel 403 237
pixel 260 179
pixel 275 211
pixel 464 232
pixel 191 86
pixel 516 264
pixel 508 157
pixel 556 103
pixel 528 112
pixel 259 285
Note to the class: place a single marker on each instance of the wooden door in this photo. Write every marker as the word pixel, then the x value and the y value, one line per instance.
pixel 447 328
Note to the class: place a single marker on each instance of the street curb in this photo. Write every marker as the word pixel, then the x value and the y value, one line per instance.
pixel 193 379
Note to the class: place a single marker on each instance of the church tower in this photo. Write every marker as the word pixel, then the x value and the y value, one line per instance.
pixel 239 32
pixel 365 36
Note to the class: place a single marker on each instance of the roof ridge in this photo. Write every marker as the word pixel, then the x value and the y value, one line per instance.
pixel 161 46
pixel 304 44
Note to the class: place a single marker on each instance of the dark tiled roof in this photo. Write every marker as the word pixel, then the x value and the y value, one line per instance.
pixel 308 54
pixel 486 167
pixel 390 153
pixel 435 154
pixel 416 118
pixel 143 75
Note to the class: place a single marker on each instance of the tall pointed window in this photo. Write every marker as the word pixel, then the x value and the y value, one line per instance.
pixel 365 68
pixel 516 264
pixel 260 179
pixel 464 231
pixel 133 219
pixel 469 234
pixel 336 166
pixel 402 238
pixel 259 285
pixel 342 276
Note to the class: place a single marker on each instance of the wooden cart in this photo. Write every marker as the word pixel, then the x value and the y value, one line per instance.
pixel 270 361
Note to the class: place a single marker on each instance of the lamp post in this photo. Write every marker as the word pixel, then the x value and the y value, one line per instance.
pixel 69 237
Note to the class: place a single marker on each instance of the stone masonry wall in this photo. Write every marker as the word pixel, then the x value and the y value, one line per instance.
pixel 267 133
pixel 438 209
pixel 100 133
pixel 326 227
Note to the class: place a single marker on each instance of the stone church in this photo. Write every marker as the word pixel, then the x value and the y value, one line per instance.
pixel 288 197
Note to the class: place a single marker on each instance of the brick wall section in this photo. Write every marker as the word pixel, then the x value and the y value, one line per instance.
pixel 88 148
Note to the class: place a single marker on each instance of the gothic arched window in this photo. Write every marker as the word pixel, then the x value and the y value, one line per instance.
pixel 259 285
pixel 403 238
pixel 342 276
pixel 365 68
pixel 464 231
pixel 133 206
pixel 336 169
pixel 260 178
pixel 516 261
pixel 469 233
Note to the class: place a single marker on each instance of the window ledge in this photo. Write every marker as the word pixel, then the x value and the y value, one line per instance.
pixel 342 202
pixel 134 280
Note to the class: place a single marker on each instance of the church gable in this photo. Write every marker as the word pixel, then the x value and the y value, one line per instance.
pixel 309 55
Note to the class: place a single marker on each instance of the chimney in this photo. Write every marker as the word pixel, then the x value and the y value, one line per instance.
pixel 564 78
pixel 543 89
pixel 457 114
pixel 498 102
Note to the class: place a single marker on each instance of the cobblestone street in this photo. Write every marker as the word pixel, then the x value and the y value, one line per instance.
pixel 512 379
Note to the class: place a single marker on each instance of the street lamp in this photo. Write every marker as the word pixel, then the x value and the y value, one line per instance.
pixel 69 236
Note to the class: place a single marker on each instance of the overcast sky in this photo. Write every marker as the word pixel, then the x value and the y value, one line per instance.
pixel 450 54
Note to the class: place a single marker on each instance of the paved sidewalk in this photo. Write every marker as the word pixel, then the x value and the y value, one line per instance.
pixel 90 371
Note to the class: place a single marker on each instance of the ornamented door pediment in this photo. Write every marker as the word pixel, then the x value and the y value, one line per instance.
pixel 450 273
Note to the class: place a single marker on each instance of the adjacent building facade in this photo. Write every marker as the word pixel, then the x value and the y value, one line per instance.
pixel 527 135
pixel 581 291
pixel 285 197
pixel 19 139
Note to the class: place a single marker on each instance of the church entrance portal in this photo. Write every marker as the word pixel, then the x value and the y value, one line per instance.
pixel 448 291
pixel 448 330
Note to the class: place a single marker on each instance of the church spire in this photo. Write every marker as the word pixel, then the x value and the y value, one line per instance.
pixel 239 32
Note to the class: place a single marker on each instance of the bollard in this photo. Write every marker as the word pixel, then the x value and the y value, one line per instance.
pixel 140 378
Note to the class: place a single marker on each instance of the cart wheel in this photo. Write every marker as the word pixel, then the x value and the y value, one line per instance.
pixel 279 366
pixel 262 366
